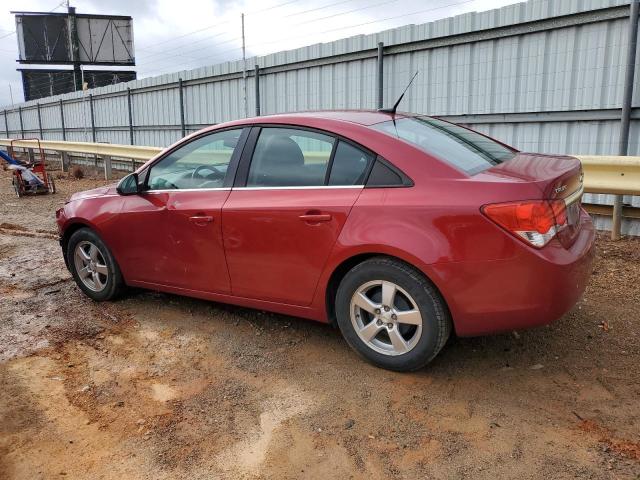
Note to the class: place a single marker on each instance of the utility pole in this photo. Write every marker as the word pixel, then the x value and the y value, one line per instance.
pixel 244 70
pixel 625 119
pixel 11 94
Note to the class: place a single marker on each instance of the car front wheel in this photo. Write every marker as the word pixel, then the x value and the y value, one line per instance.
pixel 93 267
pixel 391 314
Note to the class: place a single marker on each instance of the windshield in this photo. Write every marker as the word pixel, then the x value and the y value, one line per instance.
pixel 464 149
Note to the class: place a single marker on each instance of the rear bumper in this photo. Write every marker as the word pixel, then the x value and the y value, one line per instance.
pixel 531 289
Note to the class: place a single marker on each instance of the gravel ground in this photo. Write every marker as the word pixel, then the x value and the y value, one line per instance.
pixel 156 386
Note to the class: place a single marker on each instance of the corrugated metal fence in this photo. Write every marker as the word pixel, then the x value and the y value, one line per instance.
pixel 543 75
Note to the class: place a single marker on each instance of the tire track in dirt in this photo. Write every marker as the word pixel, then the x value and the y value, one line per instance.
pixel 20 231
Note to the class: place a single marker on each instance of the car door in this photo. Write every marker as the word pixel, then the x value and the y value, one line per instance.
pixel 286 210
pixel 172 232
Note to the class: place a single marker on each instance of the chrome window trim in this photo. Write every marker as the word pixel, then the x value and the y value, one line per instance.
pixel 306 187
pixel 175 190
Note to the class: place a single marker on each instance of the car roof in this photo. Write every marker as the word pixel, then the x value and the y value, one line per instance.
pixel 362 117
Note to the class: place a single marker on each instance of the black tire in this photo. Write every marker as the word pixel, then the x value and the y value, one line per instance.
pixel 114 284
pixel 436 320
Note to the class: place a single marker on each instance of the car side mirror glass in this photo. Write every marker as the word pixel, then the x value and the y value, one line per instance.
pixel 129 185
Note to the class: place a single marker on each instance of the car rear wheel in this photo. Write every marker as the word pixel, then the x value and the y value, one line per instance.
pixel 93 267
pixel 391 314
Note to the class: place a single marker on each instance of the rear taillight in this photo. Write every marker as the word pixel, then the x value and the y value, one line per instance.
pixel 534 221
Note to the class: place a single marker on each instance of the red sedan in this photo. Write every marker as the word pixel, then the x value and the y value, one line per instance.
pixel 398 228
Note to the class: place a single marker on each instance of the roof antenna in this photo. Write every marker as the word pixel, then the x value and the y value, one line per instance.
pixel 393 109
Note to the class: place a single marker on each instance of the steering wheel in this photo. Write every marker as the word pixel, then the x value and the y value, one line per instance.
pixel 218 175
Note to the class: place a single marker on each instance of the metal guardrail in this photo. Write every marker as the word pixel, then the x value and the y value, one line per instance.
pixel 602 174
pixel 101 149
pixel 611 174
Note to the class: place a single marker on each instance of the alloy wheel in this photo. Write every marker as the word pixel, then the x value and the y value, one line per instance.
pixel 386 317
pixel 91 266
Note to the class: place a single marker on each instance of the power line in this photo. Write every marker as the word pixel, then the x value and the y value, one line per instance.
pixel 369 23
pixel 271 8
pixel 379 4
pixel 188 44
pixel 336 29
pixel 190 50
pixel 217 24
pixel 186 34
pixel 319 33
pixel 169 57
pixel 316 9
pixel 207 57
pixel 156 53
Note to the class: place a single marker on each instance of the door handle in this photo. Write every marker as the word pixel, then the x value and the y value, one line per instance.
pixel 312 217
pixel 201 219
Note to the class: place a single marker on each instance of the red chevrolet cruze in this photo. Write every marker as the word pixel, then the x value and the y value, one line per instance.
pixel 399 228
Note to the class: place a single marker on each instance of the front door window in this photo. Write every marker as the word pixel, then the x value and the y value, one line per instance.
pixel 202 163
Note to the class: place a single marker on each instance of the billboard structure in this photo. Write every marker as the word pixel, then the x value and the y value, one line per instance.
pixel 45 83
pixel 73 39
pixel 48 38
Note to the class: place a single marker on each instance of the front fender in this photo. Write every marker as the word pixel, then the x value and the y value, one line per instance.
pixel 97 213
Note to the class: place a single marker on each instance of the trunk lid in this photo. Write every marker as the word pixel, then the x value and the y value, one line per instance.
pixel 555 176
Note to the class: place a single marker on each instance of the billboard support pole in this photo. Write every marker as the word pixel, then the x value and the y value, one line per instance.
pixel 257 91
pixel 625 119
pixel 75 48
pixel 130 115
pixel 183 129
pixel 39 121
pixel 64 132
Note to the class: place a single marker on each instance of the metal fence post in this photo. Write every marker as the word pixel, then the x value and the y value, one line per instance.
pixel 93 121
pixel 625 119
pixel 130 115
pixel 39 121
pixel 64 132
pixel 257 91
pixel 21 125
pixel 64 161
pixel 379 78
pixel 183 129
pixel 108 172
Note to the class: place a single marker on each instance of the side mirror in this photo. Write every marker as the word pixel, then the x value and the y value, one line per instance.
pixel 129 185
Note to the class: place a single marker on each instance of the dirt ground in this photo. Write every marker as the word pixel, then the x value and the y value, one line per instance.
pixel 156 386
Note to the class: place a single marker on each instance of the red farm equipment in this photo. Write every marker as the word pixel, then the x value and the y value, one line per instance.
pixel 29 178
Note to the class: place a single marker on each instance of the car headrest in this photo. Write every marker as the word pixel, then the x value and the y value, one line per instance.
pixel 281 151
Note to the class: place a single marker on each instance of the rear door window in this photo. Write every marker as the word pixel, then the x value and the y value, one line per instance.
pixel 465 149
pixel 288 157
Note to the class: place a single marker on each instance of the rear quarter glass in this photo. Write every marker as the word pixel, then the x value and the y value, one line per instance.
pixel 464 149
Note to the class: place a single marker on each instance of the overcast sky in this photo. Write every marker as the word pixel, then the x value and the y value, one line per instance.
pixel 173 35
